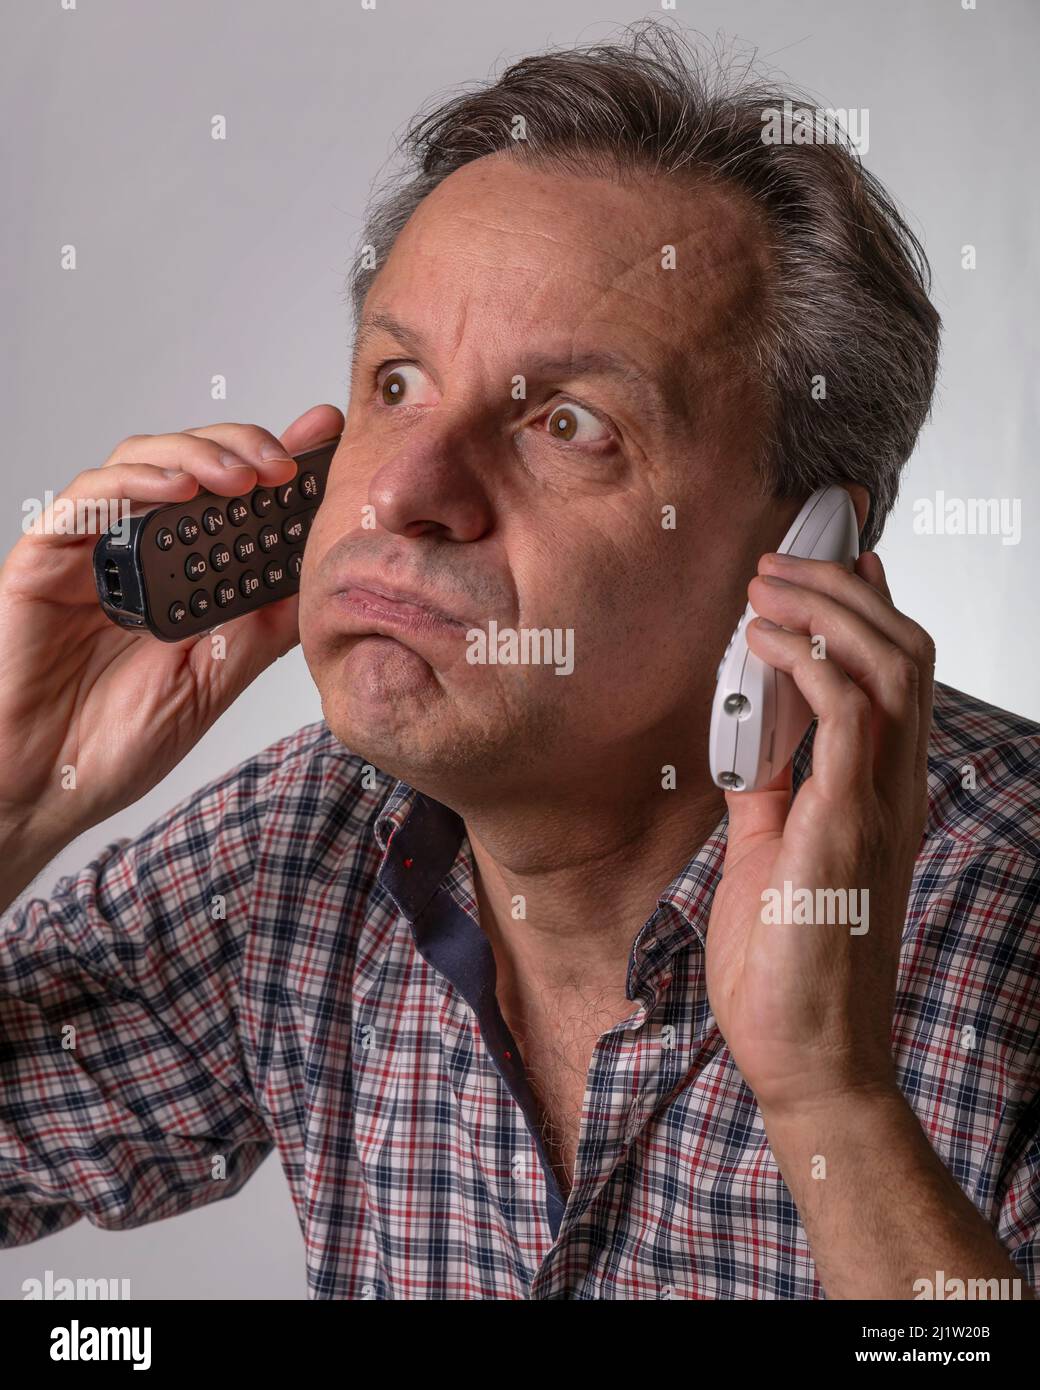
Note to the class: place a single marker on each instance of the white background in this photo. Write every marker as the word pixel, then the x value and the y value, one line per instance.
pixel 198 257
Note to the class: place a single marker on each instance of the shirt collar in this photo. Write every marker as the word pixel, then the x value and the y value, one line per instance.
pixel 420 839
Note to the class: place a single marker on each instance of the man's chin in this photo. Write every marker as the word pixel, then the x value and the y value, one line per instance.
pixel 381 674
pixel 387 704
pixel 384 702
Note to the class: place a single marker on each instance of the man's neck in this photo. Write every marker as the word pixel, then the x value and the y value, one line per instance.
pixel 564 888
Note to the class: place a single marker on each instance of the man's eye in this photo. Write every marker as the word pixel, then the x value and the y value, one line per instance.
pixel 574 422
pixel 402 382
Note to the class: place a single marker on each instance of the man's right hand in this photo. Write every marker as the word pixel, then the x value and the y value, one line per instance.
pixel 122 708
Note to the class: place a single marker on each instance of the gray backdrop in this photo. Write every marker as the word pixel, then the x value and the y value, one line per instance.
pixel 198 257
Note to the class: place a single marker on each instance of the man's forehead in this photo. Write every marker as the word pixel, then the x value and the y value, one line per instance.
pixel 643 264
pixel 509 238
pixel 576 220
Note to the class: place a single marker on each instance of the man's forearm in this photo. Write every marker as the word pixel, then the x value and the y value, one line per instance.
pixel 879 1208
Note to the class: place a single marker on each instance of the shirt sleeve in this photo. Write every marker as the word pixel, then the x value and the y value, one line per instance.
pixel 124 1096
pixel 1019 1224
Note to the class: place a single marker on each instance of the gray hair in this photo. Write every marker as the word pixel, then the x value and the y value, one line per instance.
pixel 847 299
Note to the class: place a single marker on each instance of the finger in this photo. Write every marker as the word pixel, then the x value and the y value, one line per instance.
pixel 258 448
pixel 843 746
pixel 887 673
pixel 870 568
pixel 856 593
pixel 97 498
pixel 216 466
pixel 313 427
pixel 853 590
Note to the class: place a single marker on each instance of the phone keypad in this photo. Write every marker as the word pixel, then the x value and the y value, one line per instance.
pixel 209 560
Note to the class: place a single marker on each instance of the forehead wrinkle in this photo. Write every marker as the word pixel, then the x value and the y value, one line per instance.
pixel 512 231
pixel 714 315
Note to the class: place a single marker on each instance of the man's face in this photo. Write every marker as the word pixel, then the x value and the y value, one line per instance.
pixel 536 395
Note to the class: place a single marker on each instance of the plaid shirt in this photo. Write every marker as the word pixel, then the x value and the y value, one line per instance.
pixel 292 959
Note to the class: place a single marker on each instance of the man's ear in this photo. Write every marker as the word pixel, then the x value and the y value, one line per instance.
pixel 860 500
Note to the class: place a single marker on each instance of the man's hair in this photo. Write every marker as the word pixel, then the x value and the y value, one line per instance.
pixel 847 296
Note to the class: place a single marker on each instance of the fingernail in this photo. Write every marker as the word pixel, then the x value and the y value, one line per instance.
pixel 232 461
pixel 779 559
pixel 764 622
pixel 175 472
pixel 272 450
pixel 772 579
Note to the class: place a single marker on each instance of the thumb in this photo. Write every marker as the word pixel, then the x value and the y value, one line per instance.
pixel 759 813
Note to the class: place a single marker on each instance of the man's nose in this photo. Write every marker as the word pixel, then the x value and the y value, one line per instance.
pixel 432 484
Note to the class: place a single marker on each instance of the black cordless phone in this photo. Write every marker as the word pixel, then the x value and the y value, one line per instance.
pixel 179 569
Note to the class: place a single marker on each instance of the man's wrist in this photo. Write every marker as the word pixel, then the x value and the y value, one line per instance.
pixel 26 848
pixel 838 1108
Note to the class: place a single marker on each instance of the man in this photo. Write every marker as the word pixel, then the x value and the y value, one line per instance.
pixel 484 954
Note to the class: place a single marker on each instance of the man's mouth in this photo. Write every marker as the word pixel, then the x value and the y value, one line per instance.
pixel 382 606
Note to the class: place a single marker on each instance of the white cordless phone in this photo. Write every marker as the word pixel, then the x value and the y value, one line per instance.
pixel 759 715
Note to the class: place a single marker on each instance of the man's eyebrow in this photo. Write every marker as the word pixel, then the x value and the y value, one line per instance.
pixel 661 400
pixel 605 362
pixel 383 322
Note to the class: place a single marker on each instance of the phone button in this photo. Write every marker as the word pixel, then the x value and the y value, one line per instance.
pixel 212 521
pixel 310 487
pixel 268 538
pixel 274 573
pixel 220 557
pixel 237 511
pixel 188 530
pixel 199 602
pixel 164 538
pixel 285 495
pixel 224 594
pixel 177 612
pixel 195 566
pixel 248 584
pixel 262 501
pixel 245 546
pixel 292 529
pixel 295 564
